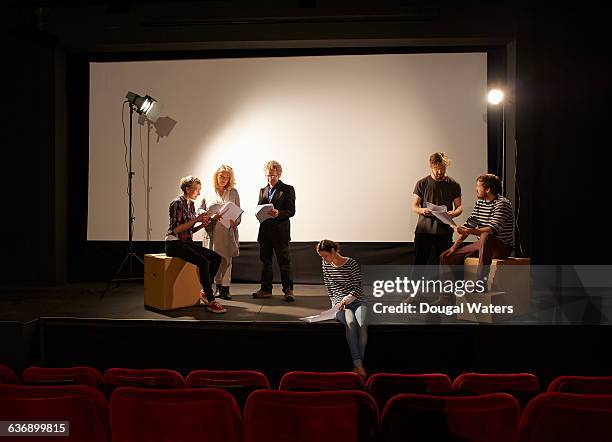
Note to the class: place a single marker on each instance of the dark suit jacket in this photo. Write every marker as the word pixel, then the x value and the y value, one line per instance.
pixel 279 228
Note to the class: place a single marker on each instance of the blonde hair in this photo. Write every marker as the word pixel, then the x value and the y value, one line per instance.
pixel 439 159
pixel 189 181
pixel 273 165
pixel 232 181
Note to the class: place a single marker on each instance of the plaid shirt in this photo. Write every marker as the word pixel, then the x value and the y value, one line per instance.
pixel 180 212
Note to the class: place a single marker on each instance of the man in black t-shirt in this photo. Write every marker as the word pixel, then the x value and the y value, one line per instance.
pixel 439 189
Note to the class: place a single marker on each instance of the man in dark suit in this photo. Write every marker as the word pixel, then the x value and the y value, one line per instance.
pixel 275 232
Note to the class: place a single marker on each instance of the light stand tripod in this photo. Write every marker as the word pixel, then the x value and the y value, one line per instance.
pixel 131 255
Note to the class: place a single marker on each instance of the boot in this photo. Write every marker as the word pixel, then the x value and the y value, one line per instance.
pixel 225 293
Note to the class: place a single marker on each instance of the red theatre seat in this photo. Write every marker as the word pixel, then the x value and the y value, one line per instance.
pixel 317 381
pixel 239 383
pixel 146 378
pixel 523 386
pixel 203 415
pixel 582 384
pixel 63 376
pixel 8 376
pixel 484 418
pixel 322 416
pixel 565 417
pixel 84 407
pixel 383 386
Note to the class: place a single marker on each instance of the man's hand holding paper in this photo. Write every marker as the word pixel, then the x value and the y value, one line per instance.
pixel 441 213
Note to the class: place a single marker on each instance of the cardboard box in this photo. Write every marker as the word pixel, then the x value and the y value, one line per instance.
pixel 508 285
pixel 170 283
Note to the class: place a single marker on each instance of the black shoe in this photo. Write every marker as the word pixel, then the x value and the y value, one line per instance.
pixel 218 291
pixel 289 297
pixel 225 293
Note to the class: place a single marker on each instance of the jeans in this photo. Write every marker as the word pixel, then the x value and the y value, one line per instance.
pixel 206 260
pixel 354 319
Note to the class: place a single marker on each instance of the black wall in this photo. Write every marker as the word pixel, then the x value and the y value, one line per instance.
pixel 563 80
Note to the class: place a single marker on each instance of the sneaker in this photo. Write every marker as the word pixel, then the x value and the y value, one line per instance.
pixel 225 293
pixel 218 290
pixel 259 294
pixel 289 297
pixel 215 307
pixel 360 371
pixel 202 301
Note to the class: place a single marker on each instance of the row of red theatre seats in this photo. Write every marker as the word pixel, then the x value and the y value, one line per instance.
pixel 212 414
pixel 382 386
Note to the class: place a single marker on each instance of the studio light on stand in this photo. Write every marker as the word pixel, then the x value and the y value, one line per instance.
pixel 147 107
pixel 496 98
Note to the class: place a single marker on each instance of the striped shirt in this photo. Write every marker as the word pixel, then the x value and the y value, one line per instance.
pixel 496 214
pixel 342 281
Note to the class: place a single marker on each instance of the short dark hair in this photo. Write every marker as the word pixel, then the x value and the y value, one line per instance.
pixel 189 181
pixel 490 181
pixel 439 159
pixel 327 245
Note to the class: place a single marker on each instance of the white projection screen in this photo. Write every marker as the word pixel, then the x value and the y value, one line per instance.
pixel 352 132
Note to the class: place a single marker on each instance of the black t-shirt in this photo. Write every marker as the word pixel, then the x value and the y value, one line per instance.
pixel 439 193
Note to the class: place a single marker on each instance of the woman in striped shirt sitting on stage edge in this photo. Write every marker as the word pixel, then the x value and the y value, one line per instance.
pixel 342 277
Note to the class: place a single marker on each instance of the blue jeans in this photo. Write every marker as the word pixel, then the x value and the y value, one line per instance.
pixel 354 319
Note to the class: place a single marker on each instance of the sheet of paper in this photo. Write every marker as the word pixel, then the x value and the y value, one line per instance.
pixel 229 211
pixel 323 316
pixel 214 208
pixel 441 213
pixel 435 208
pixel 264 211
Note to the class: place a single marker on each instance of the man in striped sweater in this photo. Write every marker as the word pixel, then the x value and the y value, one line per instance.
pixel 491 220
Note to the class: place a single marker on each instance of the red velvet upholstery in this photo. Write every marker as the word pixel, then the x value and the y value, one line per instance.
pixel 184 415
pixel 63 376
pixel 8 376
pixel 383 386
pixel 316 381
pixel 83 406
pixel 484 418
pixel 523 386
pixel 582 384
pixel 146 378
pixel 323 416
pixel 565 417
pixel 238 383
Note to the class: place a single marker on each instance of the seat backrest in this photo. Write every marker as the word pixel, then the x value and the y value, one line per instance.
pixel 566 417
pixel 180 415
pixel 323 416
pixel 523 386
pixel 239 383
pixel 317 381
pixel 84 407
pixel 144 378
pixel 63 376
pixel 8 376
pixel 484 418
pixel 582 384
pixel 383 386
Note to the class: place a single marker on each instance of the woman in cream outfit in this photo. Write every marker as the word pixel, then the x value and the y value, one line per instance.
pixel 216 236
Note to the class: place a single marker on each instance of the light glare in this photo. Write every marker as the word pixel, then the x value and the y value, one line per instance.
pixel 495 96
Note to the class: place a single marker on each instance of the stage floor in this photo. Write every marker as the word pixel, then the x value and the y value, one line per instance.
pixel 126 302
pixel 86 301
